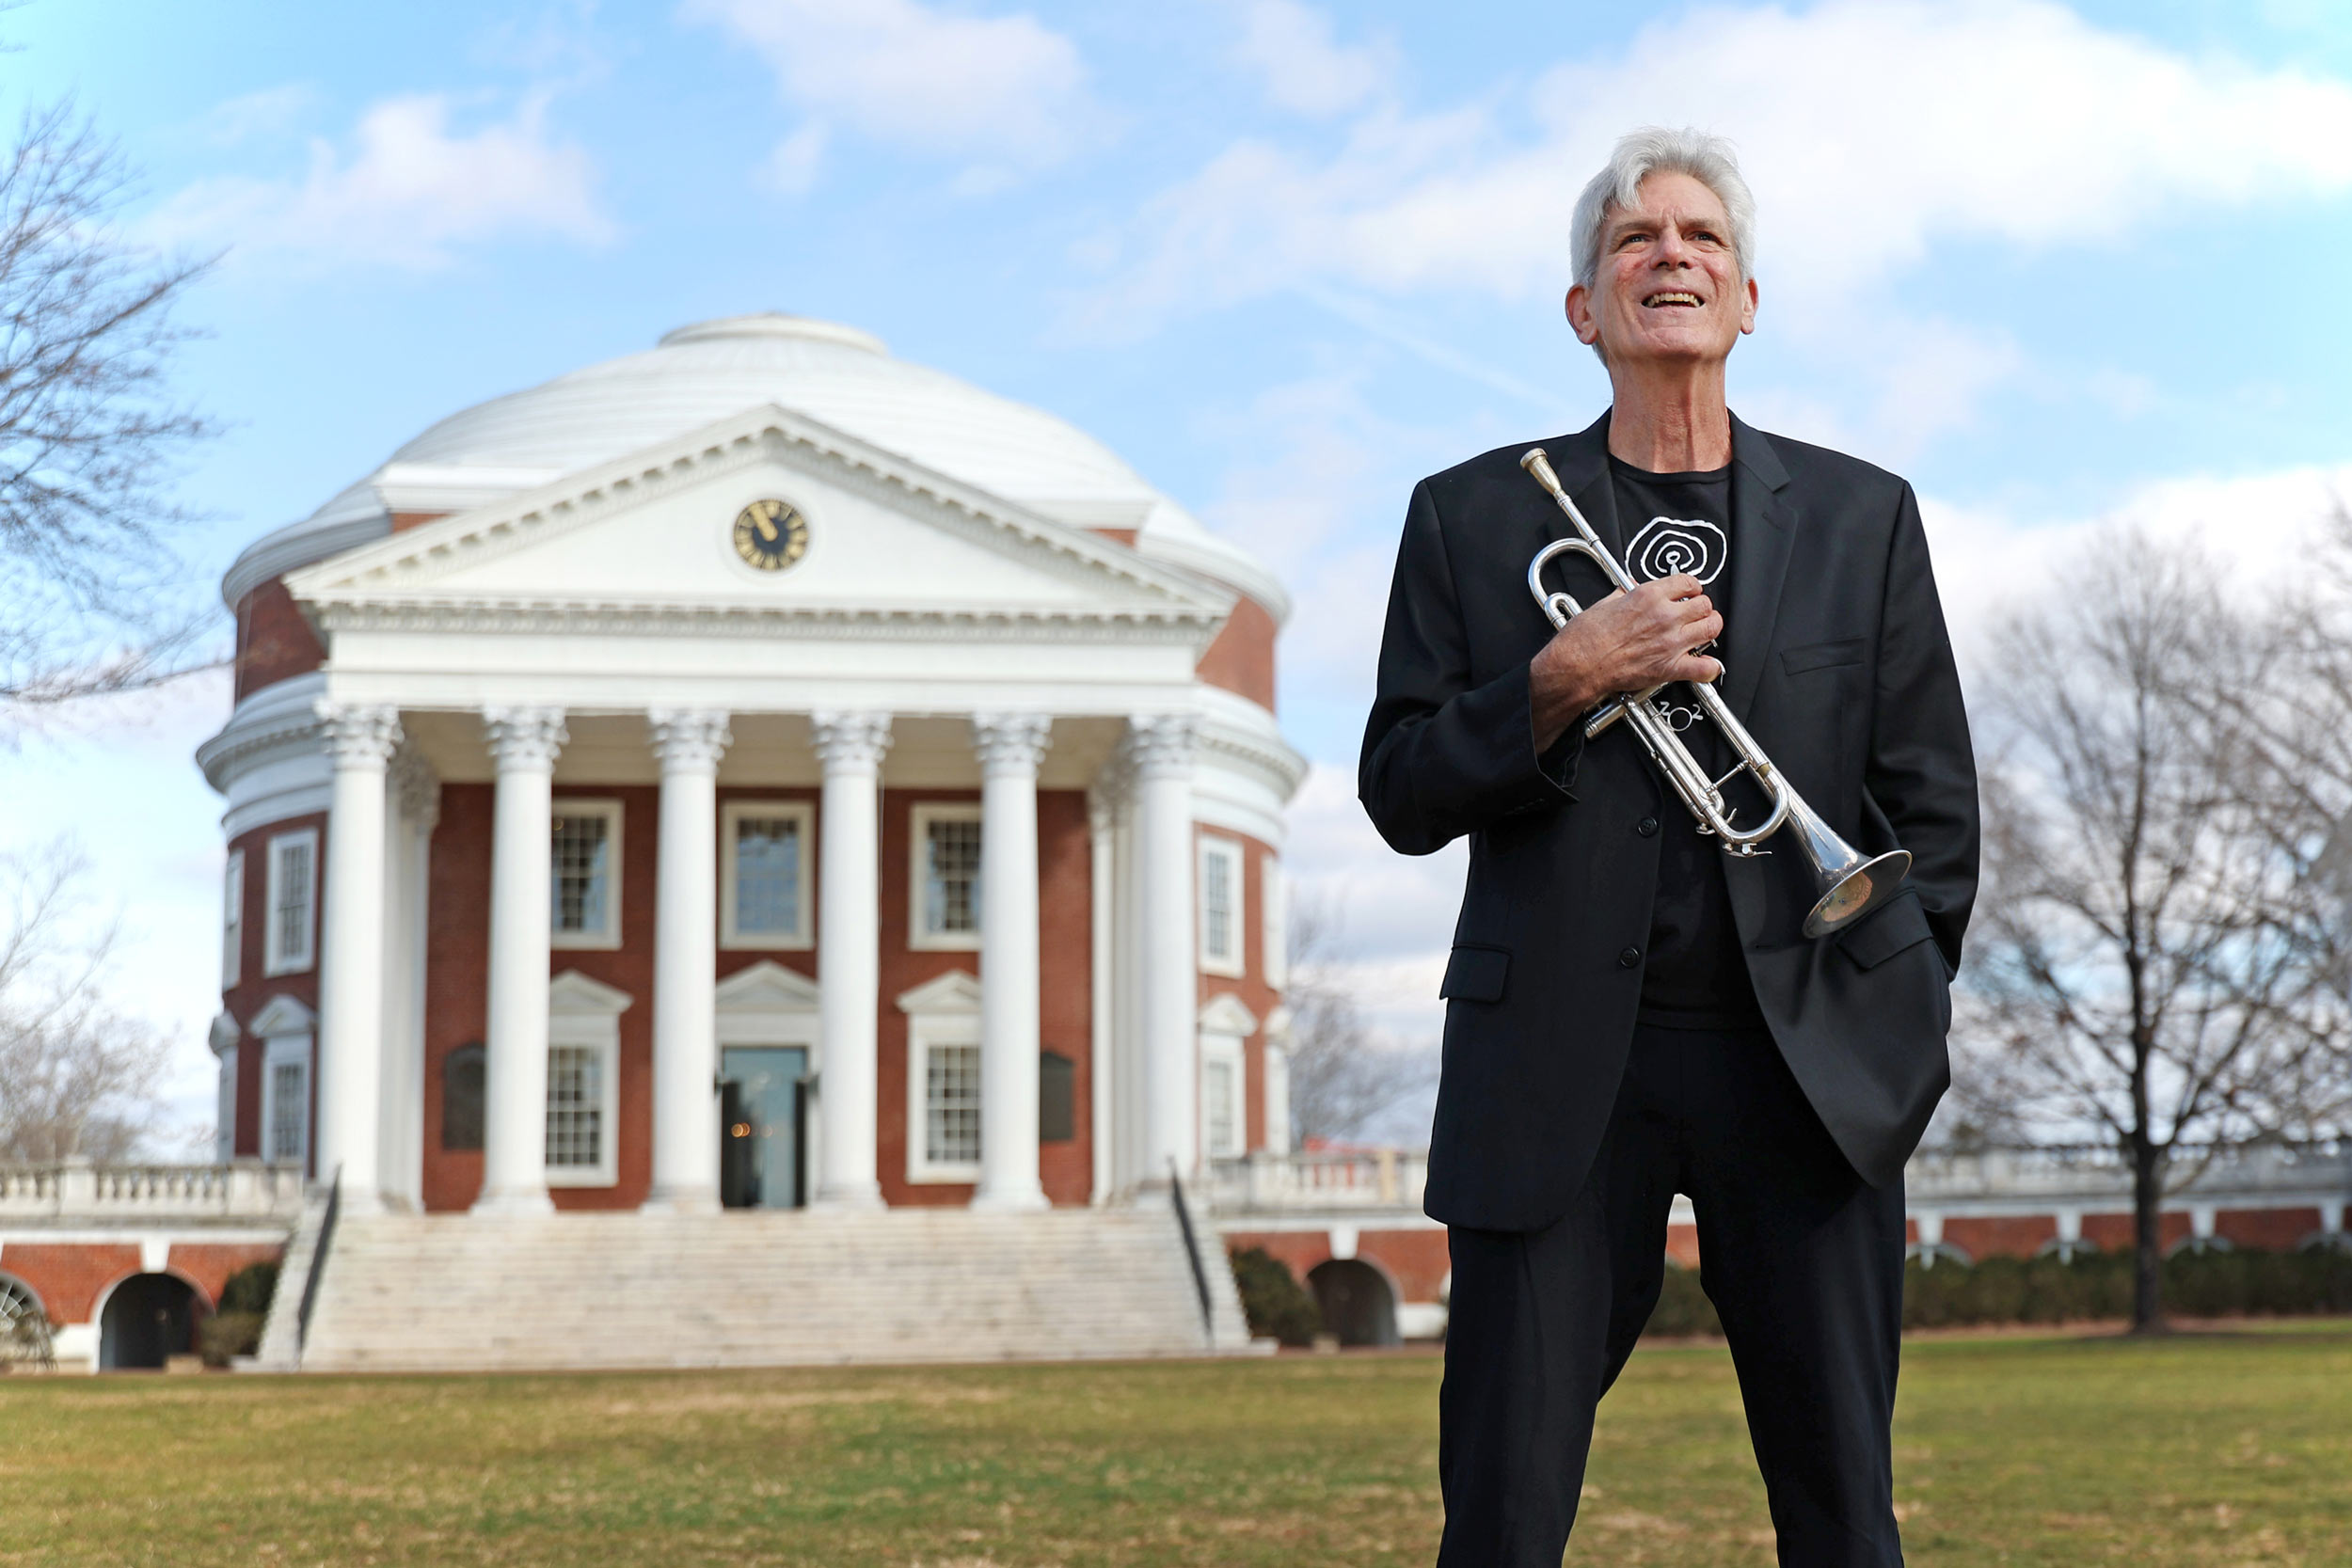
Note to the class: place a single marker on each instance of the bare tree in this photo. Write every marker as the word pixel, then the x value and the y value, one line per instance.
pixel 2151 956
pixel 75 1077
pixel 88 435
pixel 1344 1076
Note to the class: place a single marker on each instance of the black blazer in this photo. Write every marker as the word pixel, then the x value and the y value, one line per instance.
pixel 1836 661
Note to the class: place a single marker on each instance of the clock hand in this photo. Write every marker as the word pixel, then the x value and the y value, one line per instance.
pixel 767 527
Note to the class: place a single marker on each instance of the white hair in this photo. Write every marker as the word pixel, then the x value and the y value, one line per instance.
pixel 1654 149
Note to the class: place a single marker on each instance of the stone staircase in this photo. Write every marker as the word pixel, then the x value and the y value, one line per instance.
pixel 418 1292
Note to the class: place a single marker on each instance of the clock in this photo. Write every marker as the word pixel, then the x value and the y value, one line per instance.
pixel 770 535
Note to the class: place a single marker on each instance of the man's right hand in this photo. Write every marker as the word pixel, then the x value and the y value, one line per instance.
pixel 1627 642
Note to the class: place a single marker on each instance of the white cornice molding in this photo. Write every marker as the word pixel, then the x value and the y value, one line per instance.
pixel 954 991
pixel 394 570
pixel 572 994
pixel 1227 1014
pixel 410 613
pixel 280 716
pixel 768 986
pixel 297 545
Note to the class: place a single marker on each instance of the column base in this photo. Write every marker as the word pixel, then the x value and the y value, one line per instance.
pixel 353 1202
pixel 849 1196
pixel 518 1200
pixel 1029 1202
pixel 681 1200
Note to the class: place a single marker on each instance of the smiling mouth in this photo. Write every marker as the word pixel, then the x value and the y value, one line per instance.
pixel 1672 299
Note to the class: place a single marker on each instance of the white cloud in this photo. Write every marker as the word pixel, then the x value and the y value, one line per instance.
pixel 1869 128
pixel 1290 47
pixel 793 167
pixel 411 193
pixel 271 113
pixel 1003 93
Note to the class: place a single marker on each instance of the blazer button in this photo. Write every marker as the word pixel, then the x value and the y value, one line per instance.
pixel 1627 959
pixel 1646 827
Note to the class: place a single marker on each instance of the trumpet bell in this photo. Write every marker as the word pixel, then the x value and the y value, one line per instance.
pixel 1867 887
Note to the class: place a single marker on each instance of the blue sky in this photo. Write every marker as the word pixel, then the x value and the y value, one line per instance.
pixel 2049 264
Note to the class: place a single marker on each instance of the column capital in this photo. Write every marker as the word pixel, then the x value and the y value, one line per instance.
pixel 1161 744
pixel 689 739
pixel 524 739
pixel 358 735
pixel 1010 743
pixel 418 787
pixel 849 741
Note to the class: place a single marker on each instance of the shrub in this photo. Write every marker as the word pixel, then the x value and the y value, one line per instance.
pixel 2099 1285
pixel 1277 1305
pixel 249 1289
pixel 1682 1306
pixel 229 1333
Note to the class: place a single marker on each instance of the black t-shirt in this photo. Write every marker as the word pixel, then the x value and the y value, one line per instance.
pixel 1693 976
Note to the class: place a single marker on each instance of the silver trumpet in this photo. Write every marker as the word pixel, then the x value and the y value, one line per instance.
pixel 1851 884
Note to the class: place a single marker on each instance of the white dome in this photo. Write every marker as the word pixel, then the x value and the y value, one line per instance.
pixel 707 371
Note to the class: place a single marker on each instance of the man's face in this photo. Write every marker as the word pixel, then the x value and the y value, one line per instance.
pixel 1668 288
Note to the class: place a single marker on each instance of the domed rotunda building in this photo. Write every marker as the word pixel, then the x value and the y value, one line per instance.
pixel 759 772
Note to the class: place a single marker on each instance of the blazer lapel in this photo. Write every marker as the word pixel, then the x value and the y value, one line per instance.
pixel 1763 531
pixel 1582 463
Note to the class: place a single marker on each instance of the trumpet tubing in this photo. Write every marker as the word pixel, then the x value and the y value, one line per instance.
pixel 1849 883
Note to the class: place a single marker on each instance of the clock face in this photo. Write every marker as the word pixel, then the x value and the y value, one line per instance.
pixel 770 535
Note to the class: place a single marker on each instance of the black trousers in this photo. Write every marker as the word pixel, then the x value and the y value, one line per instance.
pixel 1803 1260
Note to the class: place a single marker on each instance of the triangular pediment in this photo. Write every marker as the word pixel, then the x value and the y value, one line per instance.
pixel 952 992
pixel 572 994
pixel 1226 1014
pixel 655 534
pixel 281 1016
pixel 768 986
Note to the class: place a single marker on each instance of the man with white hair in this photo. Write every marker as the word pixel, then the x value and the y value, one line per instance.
pixel 1631 1012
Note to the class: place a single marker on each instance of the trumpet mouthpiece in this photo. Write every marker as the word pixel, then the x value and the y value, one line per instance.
pixel 1535 462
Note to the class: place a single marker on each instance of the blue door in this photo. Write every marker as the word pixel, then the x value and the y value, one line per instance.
pixel 761 1138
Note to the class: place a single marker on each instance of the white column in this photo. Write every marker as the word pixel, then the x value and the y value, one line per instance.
pixel 849 953
pixel 351 973
pixel 523 743
pixel 1102 834
pixel 1161 748
pixel 685 962
pixel 1011 746
pixel 414 807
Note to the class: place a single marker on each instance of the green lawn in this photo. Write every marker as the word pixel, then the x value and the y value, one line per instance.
pixel 2230 1448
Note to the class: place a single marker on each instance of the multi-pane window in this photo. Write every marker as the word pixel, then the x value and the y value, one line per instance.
pixel 232 920
pixel 946 876
pixel 1220 905
pixel 585 876
pixel 951 1105
pixel 292 902
pixel 575 1107
pixel 765 882
pixel 289 1110
pixel 1221 1105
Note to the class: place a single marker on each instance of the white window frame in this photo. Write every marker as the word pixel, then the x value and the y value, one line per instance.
pixel 920 936
pixel 584 1014
pixel 1224 1050
pixel 232 920
pixel 941 1012
pixel 731 817
pixel 276 959
pixel 280 1050
pixel 1274 922
pixel 1225 1025
pixel 1233 963
pixel 609 936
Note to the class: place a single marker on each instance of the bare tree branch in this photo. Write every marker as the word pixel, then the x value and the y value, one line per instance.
pixel 1344 1077
pixel 88 433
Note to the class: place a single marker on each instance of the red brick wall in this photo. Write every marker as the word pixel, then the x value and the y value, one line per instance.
pixel 2273 1230
pixel 627 968
pixel 207 1265
pixel 274 641
pixel 1250 989
pixel 457 981
pixel 1065 986
pixel 2018 1237
pixel 1416 1261
pixel 253 991
pixel 2110 1230
pixel 1241 658
pixel 456 974
pixel 68 1277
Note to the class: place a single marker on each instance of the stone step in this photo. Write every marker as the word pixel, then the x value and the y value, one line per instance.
pixel 419 1293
